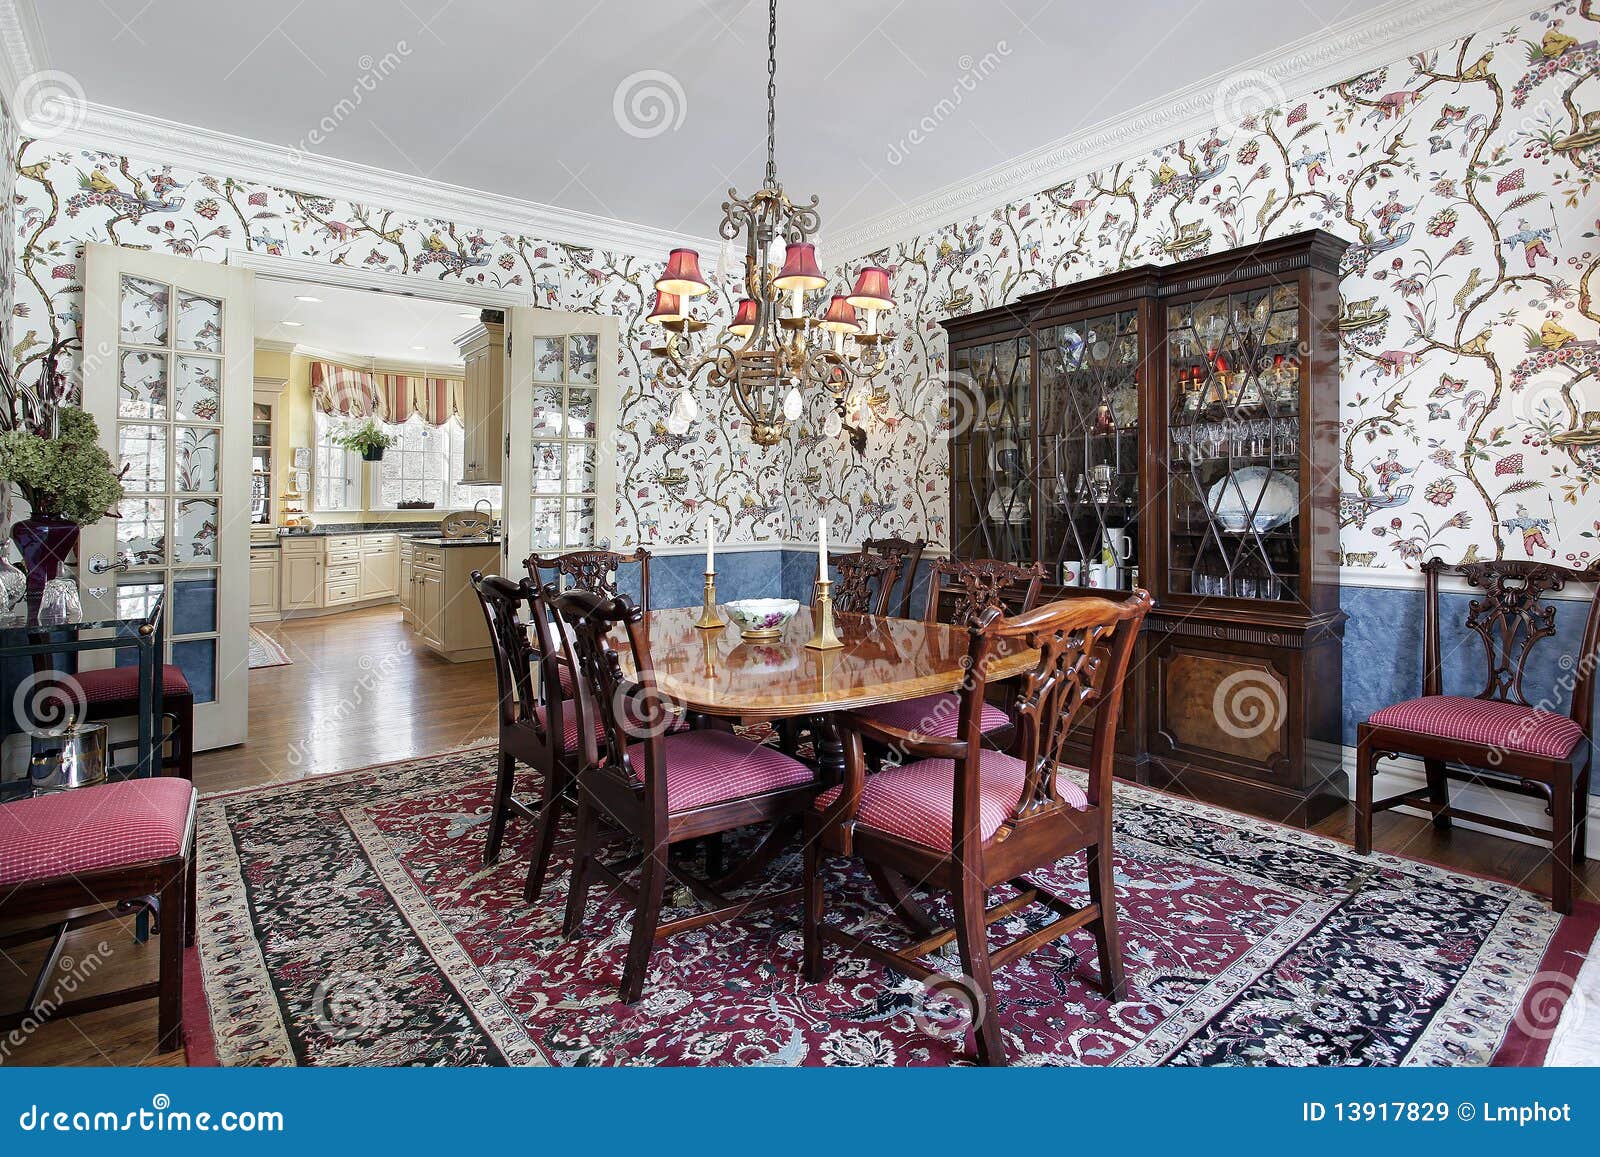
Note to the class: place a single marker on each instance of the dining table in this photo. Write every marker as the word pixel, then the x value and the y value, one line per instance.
pixel 717 672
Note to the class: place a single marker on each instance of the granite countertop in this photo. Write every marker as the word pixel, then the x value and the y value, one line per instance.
pixel 441 540
pixel 359 528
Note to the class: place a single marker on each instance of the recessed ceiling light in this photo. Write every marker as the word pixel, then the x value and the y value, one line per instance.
pixel 473 316
pixel 300 298
pixel 419 347
pixel 296 324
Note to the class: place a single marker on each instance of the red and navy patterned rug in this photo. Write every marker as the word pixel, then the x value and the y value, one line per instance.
pixel 350 921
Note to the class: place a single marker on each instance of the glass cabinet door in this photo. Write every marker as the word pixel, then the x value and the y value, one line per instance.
pixel 1089 451
pixel 991 446
pixel 1233 418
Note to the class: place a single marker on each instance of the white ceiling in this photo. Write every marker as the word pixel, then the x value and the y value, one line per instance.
pixel 360 324
pixel 517 97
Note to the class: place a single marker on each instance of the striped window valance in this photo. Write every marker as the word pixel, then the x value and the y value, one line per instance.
pixel 437 400
pixel 349 393
pixel 344 392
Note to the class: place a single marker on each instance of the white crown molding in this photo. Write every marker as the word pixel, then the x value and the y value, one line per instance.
pixel 373 280
pixel 1348 48
pixel 119 131
pixel 366 362
pixel 21 47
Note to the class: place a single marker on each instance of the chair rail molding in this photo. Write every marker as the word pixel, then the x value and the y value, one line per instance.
pixel 1345 49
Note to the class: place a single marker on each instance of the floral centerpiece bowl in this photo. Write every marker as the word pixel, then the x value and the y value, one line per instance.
pixel 761 618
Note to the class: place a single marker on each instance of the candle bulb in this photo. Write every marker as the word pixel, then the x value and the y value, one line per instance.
pixel 711 546
pixel 822 550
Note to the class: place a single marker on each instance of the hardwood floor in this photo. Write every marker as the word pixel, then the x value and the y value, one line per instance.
pixel 359 693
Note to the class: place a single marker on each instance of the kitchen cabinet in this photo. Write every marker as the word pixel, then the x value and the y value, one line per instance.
pixel 483 402
pixel 445 613
pixel 301 581
pixel 264 580
pixel 324 574
pixel 380 566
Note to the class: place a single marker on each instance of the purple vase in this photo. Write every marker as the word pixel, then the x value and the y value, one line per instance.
pixel 45 542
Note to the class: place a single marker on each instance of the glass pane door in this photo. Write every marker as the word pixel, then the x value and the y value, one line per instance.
pixel 1233 413
pixel 565 441
pixel 991 446
pixel 169 434
pixel 1089 446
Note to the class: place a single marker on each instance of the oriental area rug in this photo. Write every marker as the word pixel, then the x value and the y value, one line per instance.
pixel 349 920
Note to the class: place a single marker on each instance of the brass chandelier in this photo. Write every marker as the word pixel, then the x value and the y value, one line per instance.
pixel 774 348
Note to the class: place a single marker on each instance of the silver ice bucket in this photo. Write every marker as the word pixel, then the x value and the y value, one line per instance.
pixel 79 762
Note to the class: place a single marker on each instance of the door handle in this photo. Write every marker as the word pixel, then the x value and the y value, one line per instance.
pixel 99 564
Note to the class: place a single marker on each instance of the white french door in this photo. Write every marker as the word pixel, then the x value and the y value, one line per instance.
pixel 558 488
pixel 168 373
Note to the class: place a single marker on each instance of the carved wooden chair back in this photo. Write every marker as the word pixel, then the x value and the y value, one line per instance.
pixel 595 570
pixel 1084 646
pixel 864 584
pixel 1510 616
pixel 613 711
pixel 503 603
pixel 961 591
pixel 907 556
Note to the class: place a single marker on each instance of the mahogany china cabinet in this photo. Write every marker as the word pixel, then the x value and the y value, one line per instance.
pixel 1176 427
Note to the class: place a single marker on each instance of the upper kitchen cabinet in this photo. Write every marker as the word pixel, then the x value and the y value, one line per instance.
pixel 483 401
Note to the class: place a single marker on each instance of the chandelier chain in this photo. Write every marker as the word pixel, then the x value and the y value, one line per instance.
pixel 772 92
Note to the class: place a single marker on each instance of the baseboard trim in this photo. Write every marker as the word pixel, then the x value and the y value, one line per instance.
pixel 1406 774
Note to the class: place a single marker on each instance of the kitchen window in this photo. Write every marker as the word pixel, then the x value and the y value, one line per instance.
pixel 425 464
pixel 336 472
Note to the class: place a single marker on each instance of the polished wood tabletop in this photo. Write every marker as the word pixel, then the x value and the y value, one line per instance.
pixel 883 660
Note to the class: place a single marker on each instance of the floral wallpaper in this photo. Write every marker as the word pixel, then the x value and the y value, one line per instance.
pixel 667 484
pixel 1468 180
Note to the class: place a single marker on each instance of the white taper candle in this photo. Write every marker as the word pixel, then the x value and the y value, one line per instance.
pixel 711 546
pixel 822 550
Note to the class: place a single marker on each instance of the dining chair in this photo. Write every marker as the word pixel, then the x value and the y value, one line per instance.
pixel 536 731
pixel 113 693
pixel 660 787
pixel 968 818
pixel 90 853
pixel 595 570
pixel 960 593
pixel 864 584
pixel 907 556
pixel 1499 737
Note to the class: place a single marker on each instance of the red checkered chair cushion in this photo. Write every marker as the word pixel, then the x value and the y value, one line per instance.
pixel 75 833
pixel 916 802
pixel 938 716
pixel 707 767
pixel 1489 722
pixel 121 684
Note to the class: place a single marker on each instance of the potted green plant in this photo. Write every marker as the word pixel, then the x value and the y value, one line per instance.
pixel 69 482
pixel 367 439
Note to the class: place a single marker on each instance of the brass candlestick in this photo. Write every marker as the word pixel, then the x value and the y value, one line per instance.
pixel 822 615
pixel 708 620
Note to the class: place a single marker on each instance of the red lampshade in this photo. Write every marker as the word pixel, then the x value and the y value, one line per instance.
pixel 872 289
pixel 668 308
pixel 841 316
pixel 682 275
pixel 744 318
pixel 800 269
